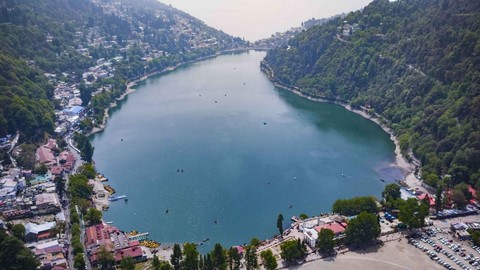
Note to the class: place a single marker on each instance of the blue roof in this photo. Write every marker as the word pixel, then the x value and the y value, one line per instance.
pixel 74 110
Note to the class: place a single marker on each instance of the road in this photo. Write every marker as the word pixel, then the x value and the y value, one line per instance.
pixel 72 149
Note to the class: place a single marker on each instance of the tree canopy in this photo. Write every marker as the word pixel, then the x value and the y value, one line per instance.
pixel 362 229
pixel 354 206
pixel 14 255
pixel 413 213
pixel 325 242
pixel 293 250
pixel 268 260
pixel 391 192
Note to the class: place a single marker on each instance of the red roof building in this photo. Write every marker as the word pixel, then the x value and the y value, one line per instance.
pixel 425 196
pixel 133 252
pixel 474 194
pixel 336 227
pixel 56 170
pixel 45 156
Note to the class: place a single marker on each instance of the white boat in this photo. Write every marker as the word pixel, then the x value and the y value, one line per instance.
pixel 116 198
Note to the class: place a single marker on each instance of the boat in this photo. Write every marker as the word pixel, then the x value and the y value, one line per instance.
pixel 108 222
pixel 206 239
pixel 116 198
pixel 383 180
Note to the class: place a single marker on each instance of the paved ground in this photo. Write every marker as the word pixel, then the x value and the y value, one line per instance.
pixel 392 255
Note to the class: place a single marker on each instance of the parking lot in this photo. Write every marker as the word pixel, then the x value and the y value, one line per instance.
pixel 447 251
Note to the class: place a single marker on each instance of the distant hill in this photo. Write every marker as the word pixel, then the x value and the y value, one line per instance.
pixel 64 38
pixel 415 63
pixel 282 38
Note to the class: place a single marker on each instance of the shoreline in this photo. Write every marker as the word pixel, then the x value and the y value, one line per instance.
pixel 130 86
pixel 407 168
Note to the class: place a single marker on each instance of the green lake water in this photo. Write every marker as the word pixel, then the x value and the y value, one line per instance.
pixel 248 152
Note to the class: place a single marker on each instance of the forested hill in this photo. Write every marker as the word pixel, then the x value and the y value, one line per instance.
pixel 64 38
pixel 414 62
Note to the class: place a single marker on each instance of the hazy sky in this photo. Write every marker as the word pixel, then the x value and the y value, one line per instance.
pixel 256 19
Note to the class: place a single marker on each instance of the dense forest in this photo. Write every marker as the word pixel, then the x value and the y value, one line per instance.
pixel 414 64
pixel 39 37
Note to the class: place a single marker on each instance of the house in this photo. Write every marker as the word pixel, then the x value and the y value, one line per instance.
pixel 67 160
pixel 35 232
pixel 113 240
pixel 44 155
pixel 426 197
pixel 338 228
pixel 474 194
pixel 96 236
pixel 40 179
pixel 51 256
pixel 56 170
pixel 8 188
pixel 74 111
pixel 135 253
pixel 47 202
pixel 310 236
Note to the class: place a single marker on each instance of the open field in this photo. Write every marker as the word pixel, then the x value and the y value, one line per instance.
pixel 392 255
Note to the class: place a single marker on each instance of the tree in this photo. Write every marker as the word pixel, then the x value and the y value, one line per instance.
pixel 362 229
pixel 391 191
pixel 88 170
pixel 127 263
pixel 292 250
pixel 176 257
pixel 18 230
pixel 465 189
pixel 59 185
pixel 155 262
pixel 438 198
pixel 459 199
pixel 303 216
pixel 255 242
pixel 280 223
pixel 41 169
pixel 325 242
pixel 79 261
pixel 78 187
pixel 105 258
pixel 14 255
pixel 251 262
pixel 233 259
pixel 413 213
pixel 355 206
pixel 219 257
pixel 190 257
pixel 208 263
pixel 164 265
pixel 93 216
pixel 269 261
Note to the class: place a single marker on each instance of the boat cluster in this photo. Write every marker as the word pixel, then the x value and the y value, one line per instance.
pixel 150 243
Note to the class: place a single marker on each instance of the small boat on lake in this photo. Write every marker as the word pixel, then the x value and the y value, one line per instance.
pixel 116 198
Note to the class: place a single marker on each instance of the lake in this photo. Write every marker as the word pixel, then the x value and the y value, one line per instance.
pixel 224 151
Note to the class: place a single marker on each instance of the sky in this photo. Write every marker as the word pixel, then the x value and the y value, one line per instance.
pixel 256 19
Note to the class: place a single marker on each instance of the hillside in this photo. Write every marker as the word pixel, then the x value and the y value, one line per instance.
pixel 414 63
pixel 65 39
